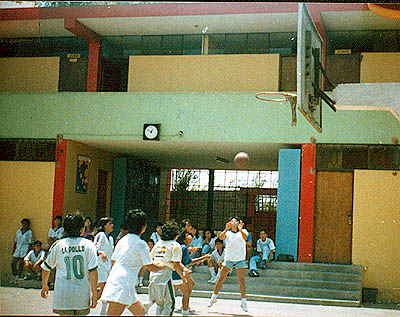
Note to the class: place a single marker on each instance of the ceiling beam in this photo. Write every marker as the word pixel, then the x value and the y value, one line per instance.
pixel 170 9
pixel 81 30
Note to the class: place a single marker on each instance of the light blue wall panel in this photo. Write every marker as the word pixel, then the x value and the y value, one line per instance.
pixel 287 218
pixel 118 194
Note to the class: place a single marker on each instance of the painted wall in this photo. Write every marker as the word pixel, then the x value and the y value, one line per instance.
pixel 380 67
pixel 28 74
pixel 287 215
pixel 236 72
pixel 376 229
pixel 86 202
pixel 26 192
pixel 117 206
pixel 204 117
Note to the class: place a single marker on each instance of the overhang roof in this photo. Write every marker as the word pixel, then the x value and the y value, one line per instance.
pixel 188 18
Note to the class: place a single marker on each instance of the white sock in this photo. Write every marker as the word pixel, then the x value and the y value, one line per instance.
pixel 244 301
pixel 141 279
pixel 214 296
pixel 212 271
pixel 218 272
pixel 185 312
pixel 104 307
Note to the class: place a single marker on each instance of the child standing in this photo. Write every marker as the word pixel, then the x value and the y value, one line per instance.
pixel 76 261
pixel 33 260
pixel 56 232
pixel 156 235
pixel 130 254
pixel 104 243
pixel 168 252
pixel 235 256
pixel 22 244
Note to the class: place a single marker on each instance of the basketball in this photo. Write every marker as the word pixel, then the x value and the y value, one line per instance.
pixel 241 159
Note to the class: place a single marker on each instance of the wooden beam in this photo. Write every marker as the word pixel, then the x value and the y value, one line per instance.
pixel 81 30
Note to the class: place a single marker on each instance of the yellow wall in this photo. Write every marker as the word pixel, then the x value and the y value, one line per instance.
pixel 376 230
pixel 380 67
pixel 29 74
pixel 26 191
pixel 86 203
pixel 239 72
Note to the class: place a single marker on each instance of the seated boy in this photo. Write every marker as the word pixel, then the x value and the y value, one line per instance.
pixel 265 249
pixel 33 260
pixel 216 260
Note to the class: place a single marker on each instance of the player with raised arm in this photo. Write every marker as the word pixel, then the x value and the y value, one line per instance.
pixel 76 261
pixel 235 256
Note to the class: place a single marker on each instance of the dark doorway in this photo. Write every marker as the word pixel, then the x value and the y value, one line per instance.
pixel 73 73
pixel 101 194
pixel 114 74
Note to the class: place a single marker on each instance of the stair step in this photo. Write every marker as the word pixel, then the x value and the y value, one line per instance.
pixel 272 298
pixel 295 274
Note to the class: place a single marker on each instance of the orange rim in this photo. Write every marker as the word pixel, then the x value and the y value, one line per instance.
pixel 284 94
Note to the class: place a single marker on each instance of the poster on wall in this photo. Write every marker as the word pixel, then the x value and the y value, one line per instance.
pixel 82 177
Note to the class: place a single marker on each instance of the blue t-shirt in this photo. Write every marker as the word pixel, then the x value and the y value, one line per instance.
pixel 186 259
pixel 197 242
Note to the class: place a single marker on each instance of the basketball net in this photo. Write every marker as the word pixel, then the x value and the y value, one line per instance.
pixel 291 98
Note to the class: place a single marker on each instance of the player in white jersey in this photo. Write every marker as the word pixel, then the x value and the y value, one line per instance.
pixel 130 254
pixel 216 261
pixel 104 243
pixel 75 258
pixel 168 252
pixel 235 256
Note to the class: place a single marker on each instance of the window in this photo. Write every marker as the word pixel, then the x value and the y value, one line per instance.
pixel 192 44
pixel 151 45
pixel 172 45
pixel 236 44
pixel 216 44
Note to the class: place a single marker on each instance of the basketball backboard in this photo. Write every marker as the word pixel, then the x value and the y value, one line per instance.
pixel 309 76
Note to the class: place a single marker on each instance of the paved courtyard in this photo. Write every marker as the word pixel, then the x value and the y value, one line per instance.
pixel 21 301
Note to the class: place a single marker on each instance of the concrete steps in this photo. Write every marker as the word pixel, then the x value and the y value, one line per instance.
pixel 306 283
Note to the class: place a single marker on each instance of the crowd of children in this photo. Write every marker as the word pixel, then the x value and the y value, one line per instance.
pixel 90 266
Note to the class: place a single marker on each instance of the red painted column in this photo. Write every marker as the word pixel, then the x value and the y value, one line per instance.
pixel 59 178
pixel 307 199
pixel 93 66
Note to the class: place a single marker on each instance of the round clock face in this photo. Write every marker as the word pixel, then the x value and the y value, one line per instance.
pixel 151 132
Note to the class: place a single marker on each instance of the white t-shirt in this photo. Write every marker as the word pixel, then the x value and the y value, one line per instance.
pixel 23 241
pixel 155 237
pixel 59 233
pixel 33 257
pixel 262 244
pixel 130 254
pixel 235 246
pixel 166 252
pixel 218 257
pixel 74 258
pixel 105 244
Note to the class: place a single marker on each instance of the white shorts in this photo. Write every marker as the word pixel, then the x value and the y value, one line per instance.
pixel 119 293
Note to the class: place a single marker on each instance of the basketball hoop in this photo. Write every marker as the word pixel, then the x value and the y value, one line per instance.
pixel 291 98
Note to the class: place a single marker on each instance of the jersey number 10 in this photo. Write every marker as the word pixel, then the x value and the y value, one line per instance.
pixel 77 266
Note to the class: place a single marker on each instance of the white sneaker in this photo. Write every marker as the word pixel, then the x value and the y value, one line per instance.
pixel 244 306
pixel 212 280
pixel 212 302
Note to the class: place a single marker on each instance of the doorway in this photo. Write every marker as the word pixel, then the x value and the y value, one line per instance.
pixel 333 217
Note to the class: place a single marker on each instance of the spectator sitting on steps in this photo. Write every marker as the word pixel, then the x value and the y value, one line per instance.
pixel 265 249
